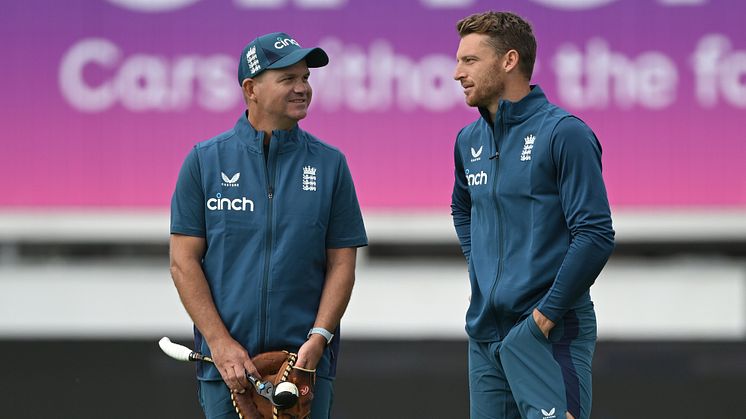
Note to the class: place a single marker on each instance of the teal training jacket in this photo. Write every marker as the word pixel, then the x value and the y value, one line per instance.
pixel 531 213
pixel 267 221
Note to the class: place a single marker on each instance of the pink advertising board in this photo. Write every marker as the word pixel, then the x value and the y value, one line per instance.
pixel 102 99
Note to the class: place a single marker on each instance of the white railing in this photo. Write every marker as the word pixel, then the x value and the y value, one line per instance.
pixel 152 226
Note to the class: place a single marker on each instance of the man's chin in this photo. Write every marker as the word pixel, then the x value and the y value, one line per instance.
pixel 298 115
pixel 473 103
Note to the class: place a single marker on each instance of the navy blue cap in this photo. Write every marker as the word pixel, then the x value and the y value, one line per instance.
pixel 276 50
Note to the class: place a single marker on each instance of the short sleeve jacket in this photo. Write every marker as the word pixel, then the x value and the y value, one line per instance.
pixel 267 221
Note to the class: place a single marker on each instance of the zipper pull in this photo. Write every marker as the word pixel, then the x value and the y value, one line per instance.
pixel 496 156
pixel 271 193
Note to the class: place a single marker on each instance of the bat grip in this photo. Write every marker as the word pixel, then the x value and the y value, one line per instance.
pixel 196 356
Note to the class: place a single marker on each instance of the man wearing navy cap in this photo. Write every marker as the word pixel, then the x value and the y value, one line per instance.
pixel 265 225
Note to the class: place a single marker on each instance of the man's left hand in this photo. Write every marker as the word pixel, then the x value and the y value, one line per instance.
pixel 545 325
pixel 310 352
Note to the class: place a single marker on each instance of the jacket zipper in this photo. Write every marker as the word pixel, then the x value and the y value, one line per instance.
pixel 499 226
pixel 269 171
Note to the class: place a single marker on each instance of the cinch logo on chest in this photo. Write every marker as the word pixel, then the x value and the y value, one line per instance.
pixel 239 204
pixel 476 179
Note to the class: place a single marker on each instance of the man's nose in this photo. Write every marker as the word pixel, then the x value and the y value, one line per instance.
pixel 458 74
pixel 301 87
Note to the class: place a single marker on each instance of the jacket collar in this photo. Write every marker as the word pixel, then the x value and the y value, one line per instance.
pixel 516 112
pixel 288 139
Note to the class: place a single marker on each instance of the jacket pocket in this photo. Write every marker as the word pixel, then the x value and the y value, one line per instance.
pixel 535 330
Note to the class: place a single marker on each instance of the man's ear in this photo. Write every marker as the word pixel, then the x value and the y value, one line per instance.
pixel 510 60
pixel 248 86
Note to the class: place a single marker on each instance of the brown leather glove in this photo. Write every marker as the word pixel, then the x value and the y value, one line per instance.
pixel 277 367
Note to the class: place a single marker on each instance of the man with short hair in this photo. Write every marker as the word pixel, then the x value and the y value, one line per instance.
pixel 530 209
pixel 265 224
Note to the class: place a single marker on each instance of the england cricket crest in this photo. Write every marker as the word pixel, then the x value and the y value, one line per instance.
pixel 252 60
pixel 528 146
pixel 309 178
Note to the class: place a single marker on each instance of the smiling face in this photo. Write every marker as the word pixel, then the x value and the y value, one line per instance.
pixel 279 98
pixel 480 72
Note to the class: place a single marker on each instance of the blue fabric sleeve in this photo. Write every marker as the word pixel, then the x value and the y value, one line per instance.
pixel 577 156
pixel 346 227
pixel 188 200
pixel 461 204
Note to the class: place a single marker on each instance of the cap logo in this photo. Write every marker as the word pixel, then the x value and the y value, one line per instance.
pixel 283 42
pixel 252 60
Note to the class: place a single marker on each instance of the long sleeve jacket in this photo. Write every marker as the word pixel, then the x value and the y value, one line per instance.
pixel 531 213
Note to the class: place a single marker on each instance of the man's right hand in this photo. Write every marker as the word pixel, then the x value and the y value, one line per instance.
pixel 233 363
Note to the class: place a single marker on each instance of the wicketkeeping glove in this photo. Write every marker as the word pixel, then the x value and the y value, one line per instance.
pixel 277 367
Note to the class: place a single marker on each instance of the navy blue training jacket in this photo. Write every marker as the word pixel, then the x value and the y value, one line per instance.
pixel 531 213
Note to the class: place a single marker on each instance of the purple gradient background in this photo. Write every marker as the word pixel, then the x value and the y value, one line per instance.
pixel 55 156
